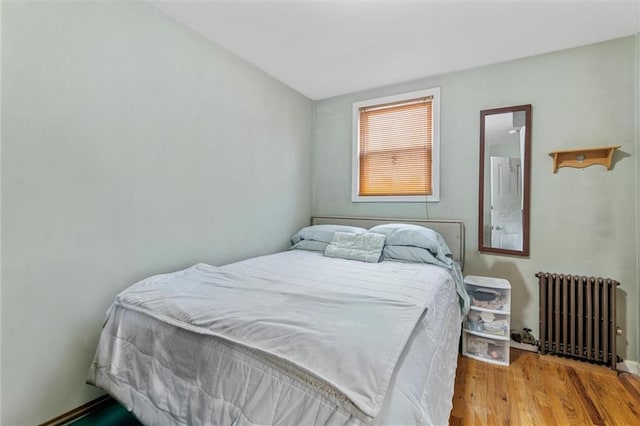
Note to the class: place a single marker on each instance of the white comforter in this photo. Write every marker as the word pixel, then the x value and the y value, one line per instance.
pixel 334 328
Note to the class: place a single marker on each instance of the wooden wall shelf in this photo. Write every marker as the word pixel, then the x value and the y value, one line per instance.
pixel 581 158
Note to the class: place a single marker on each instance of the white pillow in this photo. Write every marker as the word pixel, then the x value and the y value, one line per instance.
pixel 366 247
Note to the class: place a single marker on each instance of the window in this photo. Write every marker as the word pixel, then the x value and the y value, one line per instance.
pixel 396 148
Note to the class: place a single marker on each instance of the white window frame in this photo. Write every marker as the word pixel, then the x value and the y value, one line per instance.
pixel 435 153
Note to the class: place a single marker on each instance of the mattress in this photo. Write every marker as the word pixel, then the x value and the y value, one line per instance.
pixel 167 373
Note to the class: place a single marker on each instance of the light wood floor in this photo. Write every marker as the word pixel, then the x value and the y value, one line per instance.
pixel 534 390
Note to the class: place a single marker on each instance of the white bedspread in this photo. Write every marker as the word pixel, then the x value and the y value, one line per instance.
pixel 329 331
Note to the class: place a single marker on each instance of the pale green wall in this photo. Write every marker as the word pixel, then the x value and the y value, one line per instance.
pixel 119 126
pixel 0 219
pixel 130 146
pixel 637 180
pixel 583 221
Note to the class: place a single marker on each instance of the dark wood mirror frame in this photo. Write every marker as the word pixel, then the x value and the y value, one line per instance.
pixel 485 246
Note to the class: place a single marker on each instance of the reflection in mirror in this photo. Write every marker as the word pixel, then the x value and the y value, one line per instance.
pixel 505 150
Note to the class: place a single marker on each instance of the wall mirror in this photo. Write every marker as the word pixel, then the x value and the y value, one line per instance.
pixel 505 171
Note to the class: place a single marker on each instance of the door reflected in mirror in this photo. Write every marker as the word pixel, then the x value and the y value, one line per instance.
pixel 505 157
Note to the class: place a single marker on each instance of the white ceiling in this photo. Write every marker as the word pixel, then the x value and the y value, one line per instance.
pixel 328 48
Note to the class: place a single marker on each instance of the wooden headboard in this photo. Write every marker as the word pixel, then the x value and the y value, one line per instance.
pixel 451 230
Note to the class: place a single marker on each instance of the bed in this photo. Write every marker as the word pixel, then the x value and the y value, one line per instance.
pixel 292 338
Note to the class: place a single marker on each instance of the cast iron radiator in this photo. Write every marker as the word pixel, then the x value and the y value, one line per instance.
pixel 578 317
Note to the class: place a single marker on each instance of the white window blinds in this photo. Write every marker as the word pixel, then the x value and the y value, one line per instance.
pixel 395 148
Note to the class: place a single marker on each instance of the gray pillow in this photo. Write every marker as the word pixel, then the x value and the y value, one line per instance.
pixel 366 247
pixel 310 245
pixel 410 254
pixel 323 233
pixel 401 234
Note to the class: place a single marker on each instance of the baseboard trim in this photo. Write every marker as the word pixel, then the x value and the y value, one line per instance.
pixel 81 411
pixel 523 346
pixel 632 367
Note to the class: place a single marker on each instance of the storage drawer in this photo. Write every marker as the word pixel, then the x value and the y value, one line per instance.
pixel 486 349
pixel 490 299
pixel 487 324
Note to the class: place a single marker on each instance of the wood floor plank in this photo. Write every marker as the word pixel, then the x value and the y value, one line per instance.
pixel 569 397
pixel 536 391
pixel 628 382
pixel 537 409
pixel 502 411
pixel 605 395
pixel 556 399
pixel 478 387
pixel 585 398
pixel 632 381
pixel 513 389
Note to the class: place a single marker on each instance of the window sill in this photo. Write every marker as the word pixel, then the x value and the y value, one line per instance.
pixel 395 199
